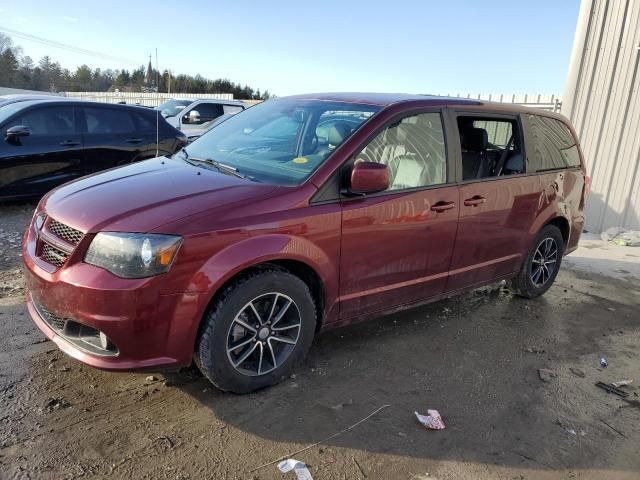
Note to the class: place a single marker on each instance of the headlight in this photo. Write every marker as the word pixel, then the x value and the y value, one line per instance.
pixel 133 255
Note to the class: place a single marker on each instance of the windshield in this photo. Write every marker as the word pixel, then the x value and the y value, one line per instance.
pixel 171 108
pixel 281 141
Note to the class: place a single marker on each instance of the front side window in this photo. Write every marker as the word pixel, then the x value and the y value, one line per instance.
pixel 108 121
pixel 203 113
pixel 232 109
pixel 47 120
pixel 491 147
pixel 554 145
pixel 280 141
pixel 172 107
pixel 413 149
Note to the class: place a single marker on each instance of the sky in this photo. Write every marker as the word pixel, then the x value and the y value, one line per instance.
pixel 289 47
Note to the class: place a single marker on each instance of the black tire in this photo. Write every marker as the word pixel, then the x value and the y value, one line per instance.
pixel 221 320
pixel 523 284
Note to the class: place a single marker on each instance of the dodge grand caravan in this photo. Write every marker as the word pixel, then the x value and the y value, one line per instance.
pixel 302 214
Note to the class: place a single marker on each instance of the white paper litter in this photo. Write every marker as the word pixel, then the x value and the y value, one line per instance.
pixel 433 420
pixel 298 467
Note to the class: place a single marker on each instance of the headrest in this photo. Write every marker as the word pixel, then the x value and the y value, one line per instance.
pixel 475 139
pixel 515 163
pixel 337 133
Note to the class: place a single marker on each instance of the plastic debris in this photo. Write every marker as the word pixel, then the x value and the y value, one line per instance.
pixel 298 467
pixel 612 389
pixel 622 236
pixel 622 383
pixel 432 420
pixel 603 362
pixel 546 375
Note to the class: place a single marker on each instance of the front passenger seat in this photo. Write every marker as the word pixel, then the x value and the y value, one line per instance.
pixel 475 163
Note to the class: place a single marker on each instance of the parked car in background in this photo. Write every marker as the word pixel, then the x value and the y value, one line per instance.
pixel 193 116
pixel 49 142
pixel 298 215
pixel 197 133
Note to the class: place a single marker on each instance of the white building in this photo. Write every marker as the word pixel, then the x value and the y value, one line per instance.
pixel 602 99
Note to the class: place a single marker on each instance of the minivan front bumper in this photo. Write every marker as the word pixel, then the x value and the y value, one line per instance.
pixel 141 327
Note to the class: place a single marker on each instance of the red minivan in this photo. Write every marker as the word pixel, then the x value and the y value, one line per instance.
pixel 301 214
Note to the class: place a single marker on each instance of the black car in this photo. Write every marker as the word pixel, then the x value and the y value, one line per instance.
pixel 49 142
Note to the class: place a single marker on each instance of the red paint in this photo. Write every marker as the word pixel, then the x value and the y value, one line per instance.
pixel 373 254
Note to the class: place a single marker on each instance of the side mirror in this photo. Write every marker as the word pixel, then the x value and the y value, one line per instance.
pixel 369 177
pixel 193 117
pixel 16 132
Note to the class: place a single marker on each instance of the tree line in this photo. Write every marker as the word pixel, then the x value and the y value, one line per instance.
pixel 20 71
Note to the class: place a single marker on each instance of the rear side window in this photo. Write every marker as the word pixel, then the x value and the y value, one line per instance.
pixel 413 149
pixel 146 123
pixel 108 121
pixel 553 145
pixel 47 121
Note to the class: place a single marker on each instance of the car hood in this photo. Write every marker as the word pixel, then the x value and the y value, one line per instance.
pixel 145 195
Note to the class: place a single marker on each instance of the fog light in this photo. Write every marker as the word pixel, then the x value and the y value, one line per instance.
pixel 104 341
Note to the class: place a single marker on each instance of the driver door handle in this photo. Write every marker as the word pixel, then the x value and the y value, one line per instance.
pixel 442 206
pixel 133 140
pixel 474 201
pixel 69 143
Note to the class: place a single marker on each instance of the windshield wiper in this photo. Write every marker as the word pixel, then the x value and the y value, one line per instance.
pixel 221 167
pixel 224 168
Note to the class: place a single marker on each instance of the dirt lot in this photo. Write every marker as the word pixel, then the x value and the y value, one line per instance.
pixel 474 358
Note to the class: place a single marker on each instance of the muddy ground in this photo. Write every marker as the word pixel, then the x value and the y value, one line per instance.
pixel 475 358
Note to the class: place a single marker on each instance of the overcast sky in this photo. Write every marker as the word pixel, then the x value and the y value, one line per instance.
pixel 452 46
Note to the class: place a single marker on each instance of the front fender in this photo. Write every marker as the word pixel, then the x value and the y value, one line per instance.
pixel 235 258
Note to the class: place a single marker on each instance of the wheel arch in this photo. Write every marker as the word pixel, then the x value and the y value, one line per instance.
pixel 563 225
pixel 296 267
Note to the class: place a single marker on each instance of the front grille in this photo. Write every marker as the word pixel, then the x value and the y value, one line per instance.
pixel 52 255
pixel 65 232
pixel 53 320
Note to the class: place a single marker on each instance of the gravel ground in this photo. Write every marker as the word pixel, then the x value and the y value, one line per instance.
pixel 476 358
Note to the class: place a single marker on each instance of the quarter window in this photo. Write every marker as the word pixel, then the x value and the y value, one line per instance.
pixel 553 144
pixel 413 149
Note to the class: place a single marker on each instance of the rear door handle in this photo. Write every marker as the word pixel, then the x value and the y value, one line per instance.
pixel 442 206
pixel 69 143
pixel 474 201
pixel 133 140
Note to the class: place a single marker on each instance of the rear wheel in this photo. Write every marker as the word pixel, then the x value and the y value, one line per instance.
pixel 541 265
pixel 256 332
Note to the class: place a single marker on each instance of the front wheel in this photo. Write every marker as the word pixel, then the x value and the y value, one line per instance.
pixel 541 265
pixel 256 332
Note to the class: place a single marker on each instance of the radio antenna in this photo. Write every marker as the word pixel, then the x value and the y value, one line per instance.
pixel 157 110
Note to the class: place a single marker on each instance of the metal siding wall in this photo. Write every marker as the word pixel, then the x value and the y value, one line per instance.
pixel 603 103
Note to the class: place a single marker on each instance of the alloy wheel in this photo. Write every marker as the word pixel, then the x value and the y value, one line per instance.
pixel 263 334
pixel 544 262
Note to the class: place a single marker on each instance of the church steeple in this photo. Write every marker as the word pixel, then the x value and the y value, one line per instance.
pixel 149 77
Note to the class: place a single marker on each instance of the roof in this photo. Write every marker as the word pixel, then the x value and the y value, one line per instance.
pixel 72 101
pixel 387 99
